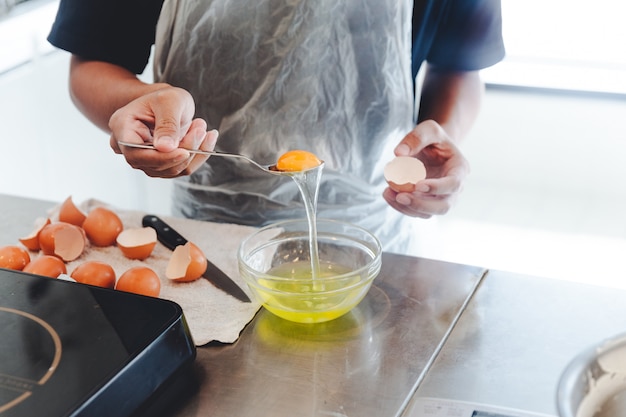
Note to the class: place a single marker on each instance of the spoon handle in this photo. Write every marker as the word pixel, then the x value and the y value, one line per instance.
pixel 151 146
pixel 197 151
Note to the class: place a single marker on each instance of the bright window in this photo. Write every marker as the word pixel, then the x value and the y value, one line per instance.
pixel 563 44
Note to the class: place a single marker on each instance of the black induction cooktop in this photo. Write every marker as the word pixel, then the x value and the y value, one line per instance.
pixel 69 349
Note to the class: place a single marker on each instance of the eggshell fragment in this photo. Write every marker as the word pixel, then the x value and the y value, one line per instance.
pixel 186 264
pixel 31 242
pixel 13 257
pixel 95 273
pixel 403 172
pixel 102 226
pixel 137 243
pixel 140 280
pixel 46 265
pixel 61 239
pixel 69 213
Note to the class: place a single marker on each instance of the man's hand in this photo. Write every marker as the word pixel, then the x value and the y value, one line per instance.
pixel 446 170
pixel 164 118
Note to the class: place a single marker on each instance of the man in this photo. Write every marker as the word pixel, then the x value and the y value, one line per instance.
pixel 336 78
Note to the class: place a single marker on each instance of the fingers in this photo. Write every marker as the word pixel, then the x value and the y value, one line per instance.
pixel 192 138
pixel 419 204
pixel 156 163
pixel 432 196
pixel 177 162
pixel 207 143
pixel 210 140
pixel 424 134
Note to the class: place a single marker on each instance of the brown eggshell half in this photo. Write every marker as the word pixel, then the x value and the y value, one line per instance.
pixel 61 239
pixel 403 172
pixel 69 213
pixel 31 242
pixel 137 243
pixel 187 263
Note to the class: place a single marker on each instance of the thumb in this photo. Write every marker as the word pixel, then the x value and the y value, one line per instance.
pixel 422 135
pixel 173 109
pixel 166 134
pixel 410 145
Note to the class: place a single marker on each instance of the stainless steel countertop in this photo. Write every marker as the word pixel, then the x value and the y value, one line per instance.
pixel 517 336
pixel 17 217
pixel 426 329
pixel 367 363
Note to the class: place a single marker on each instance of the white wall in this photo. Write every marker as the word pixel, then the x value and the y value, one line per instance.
pixel 50 151
pixel 546 195
pixel 553 146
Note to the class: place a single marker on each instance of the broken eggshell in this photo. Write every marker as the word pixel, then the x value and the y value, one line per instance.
pixel 69 213
pixel 137 243
pixel 31 241
pixel 403 172
pixel 187 263
pixel 63 240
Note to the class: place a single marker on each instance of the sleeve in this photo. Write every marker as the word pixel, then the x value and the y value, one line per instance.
pixel 117 31
pixel 469 36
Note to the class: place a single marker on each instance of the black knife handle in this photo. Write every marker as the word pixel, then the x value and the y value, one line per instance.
pixel 169 237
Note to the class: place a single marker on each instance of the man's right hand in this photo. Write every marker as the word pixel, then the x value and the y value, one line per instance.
pixel 165 118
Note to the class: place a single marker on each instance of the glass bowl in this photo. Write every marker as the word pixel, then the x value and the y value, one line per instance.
pixel 275 263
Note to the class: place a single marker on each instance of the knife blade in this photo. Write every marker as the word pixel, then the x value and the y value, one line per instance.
pixel 170 238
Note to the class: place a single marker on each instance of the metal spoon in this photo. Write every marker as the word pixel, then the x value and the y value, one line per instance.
pixel 271 169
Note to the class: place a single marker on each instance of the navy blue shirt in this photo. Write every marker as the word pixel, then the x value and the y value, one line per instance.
pixel 450 34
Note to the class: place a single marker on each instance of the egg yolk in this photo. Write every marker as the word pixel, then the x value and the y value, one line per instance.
pixel 297 161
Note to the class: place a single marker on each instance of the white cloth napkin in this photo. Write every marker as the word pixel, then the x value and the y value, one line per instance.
pixel 212 315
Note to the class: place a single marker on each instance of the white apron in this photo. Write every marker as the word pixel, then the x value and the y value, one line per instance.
pixel 332 77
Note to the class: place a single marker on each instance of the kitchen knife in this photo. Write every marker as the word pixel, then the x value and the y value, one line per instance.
pixel 170 238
